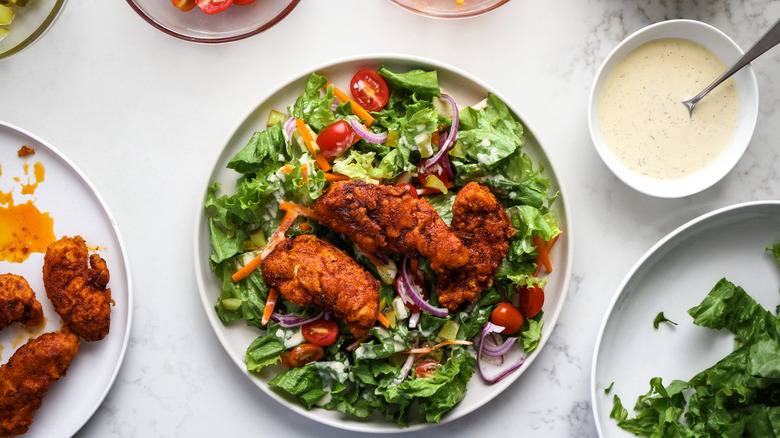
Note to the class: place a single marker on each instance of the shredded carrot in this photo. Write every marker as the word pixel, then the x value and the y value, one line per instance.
pixel 551 242
pixel 383 319
pixel 322 162
pixel 309 141
pixel 333 177
pixel 371 257
pixel 306 212
pixel 270 304
pixel 286 168
pixel 543 258
pixel 305 227
pixel 299 209
pixel 356 108
pixel 426 350
pixel 277 237
pixel 359 341
pixel 413 265
pixel 305 173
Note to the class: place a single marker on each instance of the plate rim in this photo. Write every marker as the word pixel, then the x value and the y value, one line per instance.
pixel 419 61
pixel 125 263
pixel 621 289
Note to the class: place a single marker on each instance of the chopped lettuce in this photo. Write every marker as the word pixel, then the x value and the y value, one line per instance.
pixel 736 397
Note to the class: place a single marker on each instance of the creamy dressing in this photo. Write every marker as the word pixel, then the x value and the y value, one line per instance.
pixel 643 121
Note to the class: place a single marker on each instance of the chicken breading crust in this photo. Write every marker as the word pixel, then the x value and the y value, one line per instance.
pixel 18 303
pixel 309 271
pixel 27 376
pixel 75 283
pixel 388 219
pixel 481 223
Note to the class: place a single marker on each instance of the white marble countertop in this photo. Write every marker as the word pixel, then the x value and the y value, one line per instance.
pixel 143 115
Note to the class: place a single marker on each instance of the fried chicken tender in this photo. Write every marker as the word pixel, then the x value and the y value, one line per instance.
pixel 77 289
pixel 27 376
pixel 310 271
pixel 18 303
pixel 480 221
pixel 388 219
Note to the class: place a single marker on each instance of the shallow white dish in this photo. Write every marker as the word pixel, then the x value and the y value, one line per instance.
pixel 673 276
pixel 747 88
pixel 237 336
pixel 77 209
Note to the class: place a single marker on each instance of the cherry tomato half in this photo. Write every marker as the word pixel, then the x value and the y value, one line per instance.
pixel 306 353
pixel 213 6
pixel 369 90
pixel 184 5
pixel 410 188
pixel 284 359
pixel 243 2
pixel 322 332
pixel 335 139
pixel 426 369
pixel 507 316
pixel 531 300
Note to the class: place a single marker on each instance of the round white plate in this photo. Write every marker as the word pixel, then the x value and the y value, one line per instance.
pixel 77 209
pixel 673 276
pixel 237 336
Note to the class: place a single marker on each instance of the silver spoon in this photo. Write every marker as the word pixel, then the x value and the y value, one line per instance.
pixel 770 39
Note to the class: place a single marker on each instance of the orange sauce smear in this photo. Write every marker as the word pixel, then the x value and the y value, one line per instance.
pixel 23 228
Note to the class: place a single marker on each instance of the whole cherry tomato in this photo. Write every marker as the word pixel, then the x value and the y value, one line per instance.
pixel 322 332
pixel 507 316
pixel 305 353
pixel 426 369
pixel 531 300
pixel 335 139
pixel 369 90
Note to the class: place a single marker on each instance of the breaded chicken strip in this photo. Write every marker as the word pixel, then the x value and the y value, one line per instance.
pixel 388 219
pixel 18 303
pixel 27 376
pixel 312 272
pixel 77 288
pixel 480 221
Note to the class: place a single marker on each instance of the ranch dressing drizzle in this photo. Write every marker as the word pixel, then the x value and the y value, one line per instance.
pixel 643 121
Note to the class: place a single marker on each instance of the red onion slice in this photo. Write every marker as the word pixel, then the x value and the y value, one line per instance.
pixel 414 294
pixel 365 133
pixel 448 140
pixel 289 127
pixel 406 368
pixel 492 328
pixel 288 321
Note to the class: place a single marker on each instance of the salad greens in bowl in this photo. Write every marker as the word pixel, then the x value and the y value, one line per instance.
pixel 405 125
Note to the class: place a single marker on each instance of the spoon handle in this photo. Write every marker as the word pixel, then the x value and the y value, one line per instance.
pixel 770 39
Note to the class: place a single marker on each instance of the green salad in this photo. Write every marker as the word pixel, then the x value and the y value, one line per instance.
pixel 739 396
pixel 398 128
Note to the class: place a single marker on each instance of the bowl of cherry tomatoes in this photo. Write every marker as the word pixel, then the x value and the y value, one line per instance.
pixel 212 21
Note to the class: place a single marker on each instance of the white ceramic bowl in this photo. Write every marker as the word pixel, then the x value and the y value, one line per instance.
pixel 747 89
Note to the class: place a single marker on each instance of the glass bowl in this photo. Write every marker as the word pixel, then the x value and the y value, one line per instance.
pixel 29 24
pixel 450 8
pixel 235 23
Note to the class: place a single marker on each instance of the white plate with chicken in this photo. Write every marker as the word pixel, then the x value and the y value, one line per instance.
pixel 374 241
